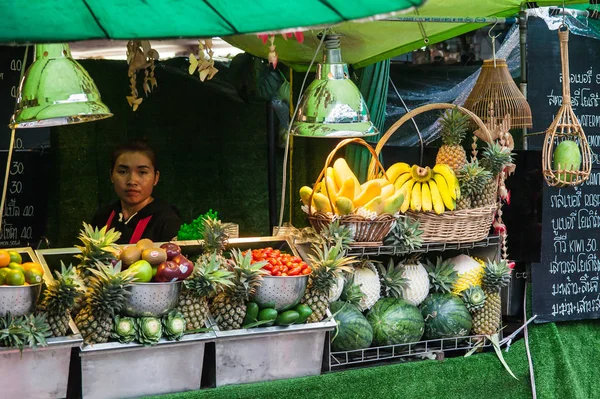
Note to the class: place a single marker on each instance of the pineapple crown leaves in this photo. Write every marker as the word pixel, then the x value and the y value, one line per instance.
pixel 336 232
pixel 441 275
pixel 61 294
pixel 17 332
pixel 327 263
pixel 472 178
pixel 454 126
pixel 351 293
pixel 215 237
pixel 473 297
pixel 495 157
pixel 98 244
pixel 107 290
pixel 392 281
pixel 406 235
pixel 247 276
pixel 496 275
pixel 208 276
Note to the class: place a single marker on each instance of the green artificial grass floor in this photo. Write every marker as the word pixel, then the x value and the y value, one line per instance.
pixel 565 356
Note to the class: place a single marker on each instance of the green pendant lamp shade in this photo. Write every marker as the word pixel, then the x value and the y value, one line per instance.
pixel 56 90
pixel 332 106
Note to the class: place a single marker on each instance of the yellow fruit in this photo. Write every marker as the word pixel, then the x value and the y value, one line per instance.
pixel 329 188
pixel 347 189
pixel 331 174
pixel 382 182
pixel 393 203
pixel 322 203
pixel 426 204
pixel 451 180
pixel 33 266
pixel 15 257
pixel 305 193
pixel 436 198
pixel 387 191
pixel 396 170
pixel 344 205
pixel 415 198
pixel 421 174
pixel 4 258
pixel 375 205
pixel 444 192
pixel 343 172
pixel 16 266
pixel 402 179
pixel 371 190
pixel 33 276
pixel 406 189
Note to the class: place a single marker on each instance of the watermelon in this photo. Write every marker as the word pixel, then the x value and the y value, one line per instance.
pixel 395 321
pixel 446 316
pixel 353 332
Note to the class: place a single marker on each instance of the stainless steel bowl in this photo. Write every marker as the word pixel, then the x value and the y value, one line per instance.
pixel 152 299
pixel 281 293
pixel 19 300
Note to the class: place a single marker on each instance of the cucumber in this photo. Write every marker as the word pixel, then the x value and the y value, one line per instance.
pixel 267 314
pixel 251 313
pixel 304 311
pixel 287 318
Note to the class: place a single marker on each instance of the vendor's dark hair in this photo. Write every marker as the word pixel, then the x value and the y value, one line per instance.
pixel 137 145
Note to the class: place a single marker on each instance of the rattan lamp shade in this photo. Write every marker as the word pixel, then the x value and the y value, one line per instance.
pixel 496 86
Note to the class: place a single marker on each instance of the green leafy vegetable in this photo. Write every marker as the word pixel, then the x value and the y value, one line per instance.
pixel 195 230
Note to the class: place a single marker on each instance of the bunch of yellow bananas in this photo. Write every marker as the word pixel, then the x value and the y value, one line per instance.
pixel 425 189
pixel 347 195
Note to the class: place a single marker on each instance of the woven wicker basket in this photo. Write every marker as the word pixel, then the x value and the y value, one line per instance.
pixel 466 225
pixel 367 232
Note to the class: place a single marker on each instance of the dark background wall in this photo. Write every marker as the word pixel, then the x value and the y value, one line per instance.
pixel 211 148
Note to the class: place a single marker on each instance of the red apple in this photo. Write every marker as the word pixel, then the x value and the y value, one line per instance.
pixel 185 265
pixel 167 271
pixel 172 250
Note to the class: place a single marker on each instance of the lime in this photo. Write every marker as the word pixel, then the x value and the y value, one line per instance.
pixel 15 277
pixel 16 266
pixel 15 257
pixel 33 265
pixel 3 273
pixel 33 276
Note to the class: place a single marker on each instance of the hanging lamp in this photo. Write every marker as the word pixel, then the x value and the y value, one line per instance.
pixel 332 106
pixel 56 90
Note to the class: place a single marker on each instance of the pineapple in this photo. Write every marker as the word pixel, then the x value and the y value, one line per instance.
pixel 59 299
pixel 472 179
pixel 229 306
pixel 469 272
pixel 454 128
pixel 474 298
pixel 442 275
pixel 338 232
pixel 215 236
pixel 352 293
pixel 418 281
pixel 494 159
pixel 367 278
pixel 496 275
pixel 208 278
pixel 98 246
pixel 391 280
pixel 327 264
pixel 406 235
pixel 106 295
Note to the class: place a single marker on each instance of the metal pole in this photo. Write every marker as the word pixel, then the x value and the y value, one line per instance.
pixel 454 20
pixel 271 172
pixel 523 53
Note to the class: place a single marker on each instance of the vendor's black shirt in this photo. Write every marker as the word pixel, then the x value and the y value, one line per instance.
pixel 163 226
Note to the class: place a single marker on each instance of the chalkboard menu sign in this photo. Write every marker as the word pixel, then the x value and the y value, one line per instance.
pixel 25 212
pixel 565 283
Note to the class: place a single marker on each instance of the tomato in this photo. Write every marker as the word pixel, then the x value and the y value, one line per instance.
pixel 295 271
pixel 284 269
pixel 277 274
pixel 303 265
pixel 283 274
pixel 272 261
pixel 268 251
pixel 274 270
pixel 296 259
pixel 306 271
pixel 276 252
pixel 288 264
pixel 268 267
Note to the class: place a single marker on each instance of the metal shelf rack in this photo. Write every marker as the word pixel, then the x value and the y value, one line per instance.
pixel 427 247
pixel 343 360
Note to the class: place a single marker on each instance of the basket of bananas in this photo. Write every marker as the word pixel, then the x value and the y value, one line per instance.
pixel 369 209
pixel 455 200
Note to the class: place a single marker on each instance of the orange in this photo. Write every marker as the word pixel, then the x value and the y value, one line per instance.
pixel 15 257
pixel 4 258
pixel 15 277
pixel 33 265
pixel 33 276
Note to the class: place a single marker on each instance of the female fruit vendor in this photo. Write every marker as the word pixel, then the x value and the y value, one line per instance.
pixel 137 214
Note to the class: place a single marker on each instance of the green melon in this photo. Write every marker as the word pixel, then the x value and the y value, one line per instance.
pixel 568 156
pixel 446 316
pixel 353 331
pixel 395 321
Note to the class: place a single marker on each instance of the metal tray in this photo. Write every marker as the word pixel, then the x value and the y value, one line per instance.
pixel 41 372
pixel 193 248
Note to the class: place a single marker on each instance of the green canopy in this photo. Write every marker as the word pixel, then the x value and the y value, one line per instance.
pixel 71 20
pixel 373 41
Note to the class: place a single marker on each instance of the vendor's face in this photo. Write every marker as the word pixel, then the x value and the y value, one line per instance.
pixel 134 177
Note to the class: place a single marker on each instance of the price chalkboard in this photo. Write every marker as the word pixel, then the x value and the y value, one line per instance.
pixel 25 212
pixel 565 283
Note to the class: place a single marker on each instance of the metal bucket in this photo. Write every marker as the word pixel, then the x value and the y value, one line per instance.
pixel 152 299
pixel 281 293
pixel 19 300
